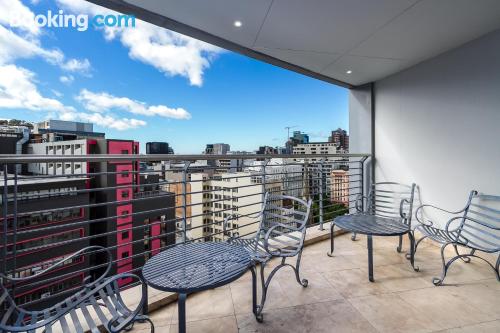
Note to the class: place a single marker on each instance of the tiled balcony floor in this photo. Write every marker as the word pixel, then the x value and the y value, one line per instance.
pixel 340 298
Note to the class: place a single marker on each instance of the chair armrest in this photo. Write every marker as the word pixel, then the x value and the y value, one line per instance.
pixel 61 262
pixel 449 224
pixel 401 207
pixel 356 203
pixel 429 223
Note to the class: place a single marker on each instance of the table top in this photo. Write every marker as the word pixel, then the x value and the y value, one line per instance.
pixel 366 224
pixel 192 267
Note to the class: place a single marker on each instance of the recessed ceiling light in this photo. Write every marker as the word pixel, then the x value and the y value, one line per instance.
pixel 349 71
pixel 237 24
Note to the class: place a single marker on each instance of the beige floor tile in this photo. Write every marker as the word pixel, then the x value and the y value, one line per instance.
pixel 208 304
pixel 390 313
pixel 324 263
pixel 353 283
pixel 334 316
pixel 488 327
pixel 400 277
pixel 492 283
pixel 241 294
pixel 484 299
pixel 214 325
pixel 318 289
pixel 445 308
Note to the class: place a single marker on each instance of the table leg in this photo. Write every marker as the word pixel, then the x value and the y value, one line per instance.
pixel 254 289
pixel 370 257
pixel 182 313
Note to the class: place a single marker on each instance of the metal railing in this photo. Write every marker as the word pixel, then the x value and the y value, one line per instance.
pixel 138 205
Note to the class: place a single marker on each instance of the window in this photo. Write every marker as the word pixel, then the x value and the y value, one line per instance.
pixel 125 235
pixel 124 151
pixel 125 254
pixel 125 194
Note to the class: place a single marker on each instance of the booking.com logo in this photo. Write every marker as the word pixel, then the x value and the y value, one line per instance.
pixel 81 22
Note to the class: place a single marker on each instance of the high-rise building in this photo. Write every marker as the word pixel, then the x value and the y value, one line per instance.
pixel 216 197
pixel 48 212
pixel 340 186
pixel 217 149
pixel 340 138
pixel 158 148
pixel 133 217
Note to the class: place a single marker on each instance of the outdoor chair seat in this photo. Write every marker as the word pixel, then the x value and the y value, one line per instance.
pixel 436 234
pixel 255 248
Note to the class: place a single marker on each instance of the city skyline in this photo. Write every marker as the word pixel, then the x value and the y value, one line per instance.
pixel 174 89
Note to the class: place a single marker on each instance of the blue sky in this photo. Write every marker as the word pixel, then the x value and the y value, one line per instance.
pixel 149 84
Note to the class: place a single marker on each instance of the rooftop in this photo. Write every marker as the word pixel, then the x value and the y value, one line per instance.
pixel 339 297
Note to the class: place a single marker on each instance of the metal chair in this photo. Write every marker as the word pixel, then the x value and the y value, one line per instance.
pixel 389 209
pixel 101 293
pixel 476 227
pixel 281 234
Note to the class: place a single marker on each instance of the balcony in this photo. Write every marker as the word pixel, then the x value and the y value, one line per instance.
pixel 137 212
pixel 339 297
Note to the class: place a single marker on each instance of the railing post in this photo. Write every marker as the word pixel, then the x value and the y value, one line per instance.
pixel 184 201
pixel 266 161
pixel 14 230
pixel 5 213
pixel 320 168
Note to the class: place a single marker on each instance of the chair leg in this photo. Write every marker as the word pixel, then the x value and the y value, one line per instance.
pixel 412 251
pixel 408 255
pixel 464 259
pixel 439 281
pixel 330 254
pixel 353 237
pixel 302 282
pixel 497 267
pixel 400 245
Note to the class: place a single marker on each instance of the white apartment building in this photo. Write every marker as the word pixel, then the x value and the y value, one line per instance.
pixel 215 198
pixel 71 148
pixel 315 148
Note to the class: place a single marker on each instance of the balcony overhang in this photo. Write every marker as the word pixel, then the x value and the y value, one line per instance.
pixel 348 43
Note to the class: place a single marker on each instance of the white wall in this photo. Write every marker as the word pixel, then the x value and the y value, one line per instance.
pixel 438 124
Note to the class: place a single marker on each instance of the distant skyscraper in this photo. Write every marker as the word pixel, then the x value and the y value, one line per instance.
pixel 340 138
pixel 217 149
pixel 158 148
pixel 297 138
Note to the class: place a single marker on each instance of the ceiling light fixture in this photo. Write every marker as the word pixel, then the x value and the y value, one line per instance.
pixel 349 71
pixel 237 24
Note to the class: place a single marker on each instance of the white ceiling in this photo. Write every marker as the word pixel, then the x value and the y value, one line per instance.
pixel 372 38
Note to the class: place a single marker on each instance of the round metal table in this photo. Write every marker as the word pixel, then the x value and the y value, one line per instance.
pixel 373 225
pixel 187 268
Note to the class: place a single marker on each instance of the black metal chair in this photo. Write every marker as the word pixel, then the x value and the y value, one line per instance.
pixel 389 209
pixel 102 293
pixel 281 233
pixel 476 227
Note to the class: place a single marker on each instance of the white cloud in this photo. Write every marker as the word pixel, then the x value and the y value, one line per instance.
pixel 111 122
pixel 57 93
pixel 14 11
pixel 18 90
pixel 23 41
pixel 102 102
pixel 169 52
pixel 79 66
pixel 66 79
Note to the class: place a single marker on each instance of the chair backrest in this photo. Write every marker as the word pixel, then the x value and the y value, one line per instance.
pixel 391 200
pixel 480 226
pixel 284 220
pixel 283 209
